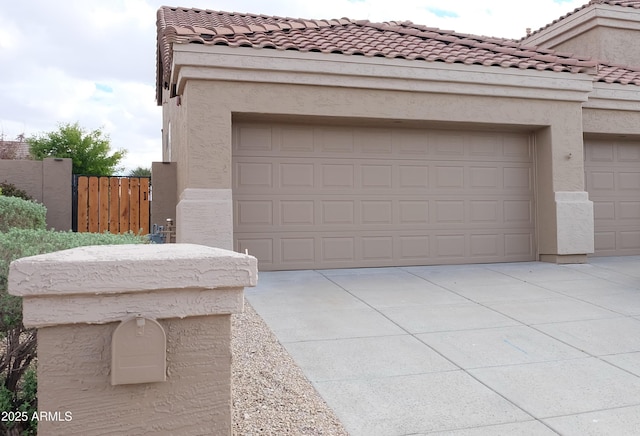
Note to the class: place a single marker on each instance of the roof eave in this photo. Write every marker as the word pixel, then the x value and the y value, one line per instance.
pixel 272 66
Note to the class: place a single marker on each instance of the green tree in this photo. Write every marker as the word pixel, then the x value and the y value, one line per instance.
pixel 89 151
pixel 140 172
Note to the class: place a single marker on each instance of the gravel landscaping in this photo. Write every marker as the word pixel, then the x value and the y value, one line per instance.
pixel 271 395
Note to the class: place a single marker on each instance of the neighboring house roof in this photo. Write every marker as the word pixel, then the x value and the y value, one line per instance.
pixel 403 40
pixel 14 149
pixel 622 3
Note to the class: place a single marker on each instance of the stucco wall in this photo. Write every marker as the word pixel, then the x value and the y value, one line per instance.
pixel 48 182
pixel 165 198
pixel 608 44
pixel 74 360
pixel 216 85
pixel 614 122
pixel 559 146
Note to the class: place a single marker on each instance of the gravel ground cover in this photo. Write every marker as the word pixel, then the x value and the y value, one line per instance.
pixel 271 395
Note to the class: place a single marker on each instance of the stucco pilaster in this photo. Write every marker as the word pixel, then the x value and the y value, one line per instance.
pixel 208 138
pixel 205 216
pixel 574 213
pixel 564 212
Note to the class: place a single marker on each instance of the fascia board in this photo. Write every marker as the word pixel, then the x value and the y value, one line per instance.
pixel 260 66
pixel 614 96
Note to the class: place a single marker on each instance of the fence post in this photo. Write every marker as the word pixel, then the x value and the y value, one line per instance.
pixel 94 379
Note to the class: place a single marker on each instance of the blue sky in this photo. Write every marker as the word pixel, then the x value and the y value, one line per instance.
pixel 93 61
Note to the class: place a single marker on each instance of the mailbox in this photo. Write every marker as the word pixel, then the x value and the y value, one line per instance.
pixel 138 352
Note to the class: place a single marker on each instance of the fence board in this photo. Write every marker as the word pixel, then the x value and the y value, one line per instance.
pixel 124 205
pixel 144 205
pixel 93 204
pixel 83 201
pixel 134 205
pixel 114 205
pixel 103 212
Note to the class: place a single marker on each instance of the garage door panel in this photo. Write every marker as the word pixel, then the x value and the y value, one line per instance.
pixel 448 144
pixel 338 212
pixel 486 145
pixel 629 181
pixel 486 245
pixel 252 138
pixel 604 210
pixel 378 197
pixel 296 139
pixel 630 240
pixel 605 241
pixel 251 175
pixel 254 212
pixel 519 245
pixel 598 151
pixel 518 211
pixel 484 211
pixel 629 211
pixel 262 248
pixel 484 178
pixel 414 247
pixel 377 248
pixel 374 142
pixel 628 154
pixel 413 176
pixel 447 246
pixel 413 212
pixel 297 213
pixel 411 143
pixel 612 175
pixel 518 178
pixel 448 177
pixel 338 249
pixel 376 176
pixel 301 249
pixel 601 181
pixel 297 176
pixel 338 176
pixel 376 212
pixel 515 148
pixel 332 141
pixel 448 211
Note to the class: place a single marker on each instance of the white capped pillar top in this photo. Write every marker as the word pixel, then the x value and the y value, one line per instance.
pixel 107 283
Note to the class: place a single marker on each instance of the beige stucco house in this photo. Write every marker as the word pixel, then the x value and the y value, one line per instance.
pixel 342 143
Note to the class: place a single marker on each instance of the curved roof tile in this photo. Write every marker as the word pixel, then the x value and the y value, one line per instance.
pixel 347 37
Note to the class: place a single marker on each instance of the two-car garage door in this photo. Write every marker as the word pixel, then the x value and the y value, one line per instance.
pixel 321 196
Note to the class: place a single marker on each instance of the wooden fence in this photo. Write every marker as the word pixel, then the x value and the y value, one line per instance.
pixel 113 204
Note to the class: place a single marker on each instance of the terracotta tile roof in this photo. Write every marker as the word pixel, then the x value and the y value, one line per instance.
pixel 399 40
pixel 618 74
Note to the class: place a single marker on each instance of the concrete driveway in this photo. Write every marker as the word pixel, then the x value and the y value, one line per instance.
pixel 497 349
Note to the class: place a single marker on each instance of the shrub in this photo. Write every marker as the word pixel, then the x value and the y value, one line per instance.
pixel 18 350
pixel 10 190
pixel 23 214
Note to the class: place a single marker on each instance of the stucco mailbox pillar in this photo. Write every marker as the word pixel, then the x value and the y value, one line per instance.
pixel 179 295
